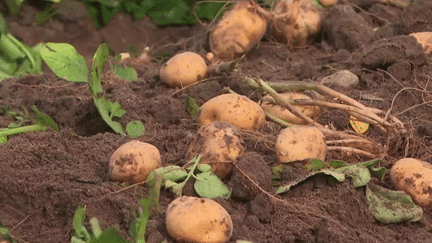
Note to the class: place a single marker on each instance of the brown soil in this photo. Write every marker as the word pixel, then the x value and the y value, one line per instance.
pixel 45 176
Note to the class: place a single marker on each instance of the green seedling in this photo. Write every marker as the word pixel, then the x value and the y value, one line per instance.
pixel 192 106
pixel 66 63
pixel 5 233
pixel 41 123
pixel 207 184
pixel 16 58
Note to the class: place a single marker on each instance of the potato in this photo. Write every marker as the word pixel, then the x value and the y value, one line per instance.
pixel 236 109
pixel 133 161
pixel 327 3
pixel 284 114
pixel 415 178
pixel 425 39
pixel 196 220
pixel 183 69
pixel 220 145
pixel 238 31
pixel 297 22
pixel 298 143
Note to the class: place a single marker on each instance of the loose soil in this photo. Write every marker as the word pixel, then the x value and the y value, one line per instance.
pixel 45 176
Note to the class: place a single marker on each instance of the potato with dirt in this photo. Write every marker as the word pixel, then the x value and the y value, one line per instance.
pixel 282 113
pixel 220 144
pixel 183 69
pixel 239 110
pixel 133 161
pixel 299 143
pixel 196 220
pixel 238 31
pixel 414 177
pixel 425 39
pixel 296 22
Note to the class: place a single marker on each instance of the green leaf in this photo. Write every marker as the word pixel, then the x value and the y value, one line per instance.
pixel 125 72
pixel 14 6
pixel 115 109
pixel 337 175
pixel 44 120
pixel 171 173
pixel 9 47
pixel 192 106
pixel 210 186
pixel 316 164
pixel 359 175
pixel 65 62
pixel 95 226
pixel 389 206
pixel 337 164
pixel 8 67
pixel 208 10
pixel 3 139
pixel 135 129
pixel 78 223
pixel 204 167
pixel 3 26
pixel 103 106
pixel 171 12
pixel 110 236
pixel 99 59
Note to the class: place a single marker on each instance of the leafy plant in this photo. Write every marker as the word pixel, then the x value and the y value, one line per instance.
pixel 66 63
pixel 16 58
pixel 41 122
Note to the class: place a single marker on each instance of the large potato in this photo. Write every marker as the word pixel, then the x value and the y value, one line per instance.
pixel 415 178
pixel 183 69
pixel 425 39
pixel 282 113
pixel 220 145
pixel 197 220
pixel 133 161
pixel 297 22
pixel 238 110
pixel 238 31
pixel 298 143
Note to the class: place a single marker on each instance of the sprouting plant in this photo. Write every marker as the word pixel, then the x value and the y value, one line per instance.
pixel 41 122
pixel 66 63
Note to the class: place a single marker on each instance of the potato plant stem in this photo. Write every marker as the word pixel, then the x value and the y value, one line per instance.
pixel 25 129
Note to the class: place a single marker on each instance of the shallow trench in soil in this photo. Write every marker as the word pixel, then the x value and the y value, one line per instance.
pixel 45 176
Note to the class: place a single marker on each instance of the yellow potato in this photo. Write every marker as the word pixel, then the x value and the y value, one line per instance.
pixel 327 3
pixel 300 143
pixel 415 178
pixel 284 114
pixel 183 69
pixel 197 220
pixel 238 31
pixel 220 145
pixel 425 39
pixel 133 161
pixel 297 22
pixel 238 110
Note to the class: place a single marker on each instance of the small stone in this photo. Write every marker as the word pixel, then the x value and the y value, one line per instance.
pixel 342 79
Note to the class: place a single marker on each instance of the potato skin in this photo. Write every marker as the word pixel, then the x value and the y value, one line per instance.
pixel 300 143
pixel 299 24
pixel 133 161
pixel 236 109
pixel 220 144
pixel 425 39
pixel 284 114
pixel 183 69
pixel 196 220
pixel 237 32
pixel 414 177
pixel 327 3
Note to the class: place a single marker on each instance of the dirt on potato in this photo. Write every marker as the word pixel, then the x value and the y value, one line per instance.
pixel 45 176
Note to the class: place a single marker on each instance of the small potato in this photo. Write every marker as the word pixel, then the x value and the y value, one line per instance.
pixel 425 39
pixel 415 178
pixel 327 3
pixel 238 110
pixel 297 22
pixel 133 161
pixel 299 143
pixel 183 69
pixel 284 114
pixel 196 220
pixel 220 145
pixel 238 31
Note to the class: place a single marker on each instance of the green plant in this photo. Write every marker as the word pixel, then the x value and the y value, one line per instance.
pixel 66 63
pixel 41 122
pixel 5 233
pixel 16 58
